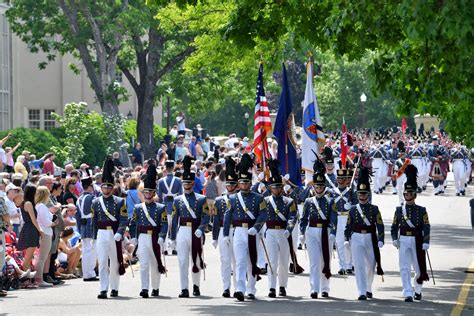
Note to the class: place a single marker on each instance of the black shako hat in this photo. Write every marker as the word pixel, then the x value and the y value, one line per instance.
pixel 275 176
pixel 150 179
pixel 363 183
pixel 411 184
pixel 188 175
pixel 245 166
pixel 231 176
pixel 108 172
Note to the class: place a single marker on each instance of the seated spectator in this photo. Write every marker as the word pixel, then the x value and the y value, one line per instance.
pixel 128 247
pixel 68 254
pixel 69 217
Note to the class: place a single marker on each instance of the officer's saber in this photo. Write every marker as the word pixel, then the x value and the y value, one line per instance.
pixel 431 269
pixel 203 262
pixel 164 262
pixel 266 255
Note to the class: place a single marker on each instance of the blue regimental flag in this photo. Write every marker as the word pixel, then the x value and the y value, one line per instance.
pixel 284 131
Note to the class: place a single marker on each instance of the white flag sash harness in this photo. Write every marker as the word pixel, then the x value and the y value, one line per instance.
pixel 148 217
pixel 190 210
pixel 275 208
pixel 405 217
pixel 104 209
pixel 320 211
pixel 168 188
pixel 359 209
pixel 242 203
pixel 81 201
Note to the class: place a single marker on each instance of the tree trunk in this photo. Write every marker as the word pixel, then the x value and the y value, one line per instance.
pixel 145 127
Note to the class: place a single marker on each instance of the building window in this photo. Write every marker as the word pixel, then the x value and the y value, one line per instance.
pixel 49 122
pixel 34 119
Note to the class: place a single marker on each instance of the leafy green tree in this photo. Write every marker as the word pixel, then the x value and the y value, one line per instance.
pixel 36 141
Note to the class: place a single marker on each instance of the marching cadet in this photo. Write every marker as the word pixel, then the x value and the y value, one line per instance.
pixel 321 217
pixel 191 212
pixel 247 215
pixel 149 222
pixel 458 156
pixel 439 158
pixel 365 230
pixel 329 162
pixel 392 158
pixel 109 217
pixel 379 157
pixel 342 203
pixel 84 220
pixel 399 166
pixel 225 248
pixel 416 157
pixel 412 222
pixel 281 216
pixel 168 188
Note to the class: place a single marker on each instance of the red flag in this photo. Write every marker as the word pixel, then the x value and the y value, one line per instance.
pixel 404 125
pixel 344 144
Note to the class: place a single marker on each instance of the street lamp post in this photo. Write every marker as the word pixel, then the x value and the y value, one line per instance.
pixel 363 99
pixel 246 116
pixel 129 115
pixel 169 91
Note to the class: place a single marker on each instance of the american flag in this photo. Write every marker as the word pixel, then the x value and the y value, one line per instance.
pixel 262 124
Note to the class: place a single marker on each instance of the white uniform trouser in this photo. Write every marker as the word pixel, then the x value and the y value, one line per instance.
pixel 467 170
pixel 400 187
pixel 459 172
pixel 418 163
pixel 107 251
pixel 261 259
pixel 279 255
pixel 184 247
pixel 148 263
pixel 386 178
pixel 317 280
pixel 407 259
pixel 226 252
pixel 170 223
pixel 296 229
pixel 243 267
pixel 89 258
pixel 364 261
pixel 343 251
pixel 377 166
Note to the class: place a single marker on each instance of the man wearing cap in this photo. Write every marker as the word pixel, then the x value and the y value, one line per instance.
pixel 321 217
pixel 168 188
pixel 280 221
pixel 247 215
pixel 191 212
pixel 149 222
pixel 84 220
pixel 14 212
pixel 365 230
pixel 411 235
pixel 109 217
pixel 343 199
pixel 225 248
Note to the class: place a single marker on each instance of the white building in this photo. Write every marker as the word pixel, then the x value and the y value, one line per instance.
pixel 29 95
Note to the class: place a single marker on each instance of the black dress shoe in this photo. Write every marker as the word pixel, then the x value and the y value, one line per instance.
pixel 463 192
pixel 113 293
pixel 369 294
pixel 272 293
pixel 457 194
pixel 155 292
pixel 226 293
pixel 102 295
pixel 300 247
pixel 144 293
pixel 282 291
pixel 362 298
pixel 165 252
pixel 184 293
pixel 240 296
pixel 291 268
pixel 409 299
pixel 325 294
pixel 91 279
pixel 418 296
pixel 314 295
pixel 174 253
pixel 263 270
pixel 196 291
pixel 341 272
pixel 251 297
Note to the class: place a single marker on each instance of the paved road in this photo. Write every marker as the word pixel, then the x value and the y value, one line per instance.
pixel 451 254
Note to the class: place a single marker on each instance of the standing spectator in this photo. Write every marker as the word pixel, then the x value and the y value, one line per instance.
pixel 200 155
pixel 3 156
pixel 137 155
pixel 171 152
pixel 46 223
pixel 19 167
pixel 15 216
pixel 192 147
pixel 116 159
pixel 174 131
pixel 26 162
pixel 178 155
pixel 9 152
pixel 133 196
pixel 38 164
pixel 206 146
pixel 69 197
pixel 212 190
pixel 181 121
pixel 31 232
pixel 48 165
pixel 57 193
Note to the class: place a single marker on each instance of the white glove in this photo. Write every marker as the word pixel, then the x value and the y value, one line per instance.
pixel 134 241
pixel 261 187
pixel 301 237
pixel 380 244
pixel 286 188
pixel 332 237
pixel 347 206
pixel 252 231
pixel 287 177
pixel 117 237
pixel 172 244
pixel 346 243
pixel 286 233
pixel 214 244
pixel 261 175
pixel 425 246
pixel 161 242
pixel 226 240
pixel 198 233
